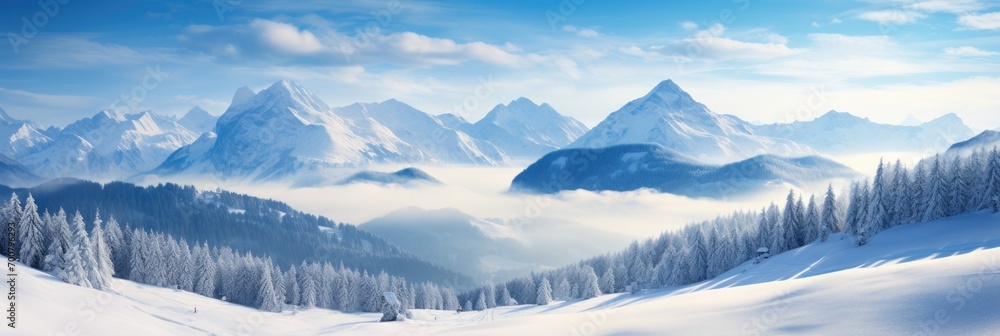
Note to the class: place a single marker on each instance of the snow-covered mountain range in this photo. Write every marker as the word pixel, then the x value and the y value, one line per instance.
pixel 287 132
pixel 843 133
pixel 988 140
pixel 20 137
pixel 198 121
pixel 670 117
pixel 636 166
pixel 109 145
pixel 428 134
pixel 525 129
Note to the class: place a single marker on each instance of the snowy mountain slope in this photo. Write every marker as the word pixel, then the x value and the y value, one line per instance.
pixel 15 174
pixel 491 248
pixel 984 141
pixel 428 134
pixel 19 137
pixel 932 278
pixel 631 167
pixel 843 133
pixel 405 176
pixel 670 117
pixel 284 131
pixel 198 121
pixel 525 129
pixel 110 145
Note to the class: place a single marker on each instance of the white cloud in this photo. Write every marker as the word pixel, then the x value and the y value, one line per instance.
pixel 582 32
pixel 836 21
pixel 968 51
pixel 286 37
pixel 710 44
pixel 897 16
pixel 950 6
pixel 839 40
pixel 988 21
pixel 688 25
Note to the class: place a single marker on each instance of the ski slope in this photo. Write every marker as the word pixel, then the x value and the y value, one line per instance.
pixel 937 278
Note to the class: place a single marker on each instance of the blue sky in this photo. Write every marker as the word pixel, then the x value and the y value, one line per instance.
pixel 765 61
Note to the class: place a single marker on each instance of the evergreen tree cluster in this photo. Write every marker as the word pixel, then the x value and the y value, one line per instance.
pixel 933 189
pixel 64 248
pixel 221 218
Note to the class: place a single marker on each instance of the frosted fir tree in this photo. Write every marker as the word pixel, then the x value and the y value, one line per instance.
pixel 590 287
pixel 544 296
pixel 78 257
pixel 491 294
pixel 830 220
pixel 267 298
pixel 102 255
pixel 608 282
pixel 902 195
pixel 11 213
pixel 205 271
pixel 790 223
pixel 308 285
pixel 30 239
pixel 115 239
pixel 958 189
pixel 562 290
pixel 505 299
pixel 813 222
pixel 292 290
pixel 935 193
pixel 62 239
pixel 480 302
pixel 991 198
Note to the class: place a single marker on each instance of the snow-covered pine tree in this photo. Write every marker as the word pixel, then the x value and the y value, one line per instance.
pixel 790 224
pixel 491 294
pixel 812 221
pixel 607 282
pixel 991 198
pixel 918 192
pixel 292 291
pixel 562 290
pixel 205 271
pixel 10 213
pixel 544 293
pixel 267 298
pixel 104 269
pixel 139 258
pixel 30 239
pixel 773 219
pixel 958 189
pixel 62 240
pixel 876 219
pixel 902 195
pixel 831 219
pixel 590 287
pixel 936 192
pixel 480 302
pixel 79 260
pixel 505 299
pixel 308 285
pixel 115 239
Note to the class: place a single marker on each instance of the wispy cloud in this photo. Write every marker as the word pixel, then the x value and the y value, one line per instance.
pixel 969 51
pixel 987 21
pixel 892 16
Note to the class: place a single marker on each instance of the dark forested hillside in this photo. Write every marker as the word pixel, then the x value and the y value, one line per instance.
pixel 245 223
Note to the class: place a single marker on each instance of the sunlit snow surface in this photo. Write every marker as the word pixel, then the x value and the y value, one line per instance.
pixel 920 279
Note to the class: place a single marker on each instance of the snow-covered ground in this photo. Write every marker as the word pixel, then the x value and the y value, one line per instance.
pixel 938 278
